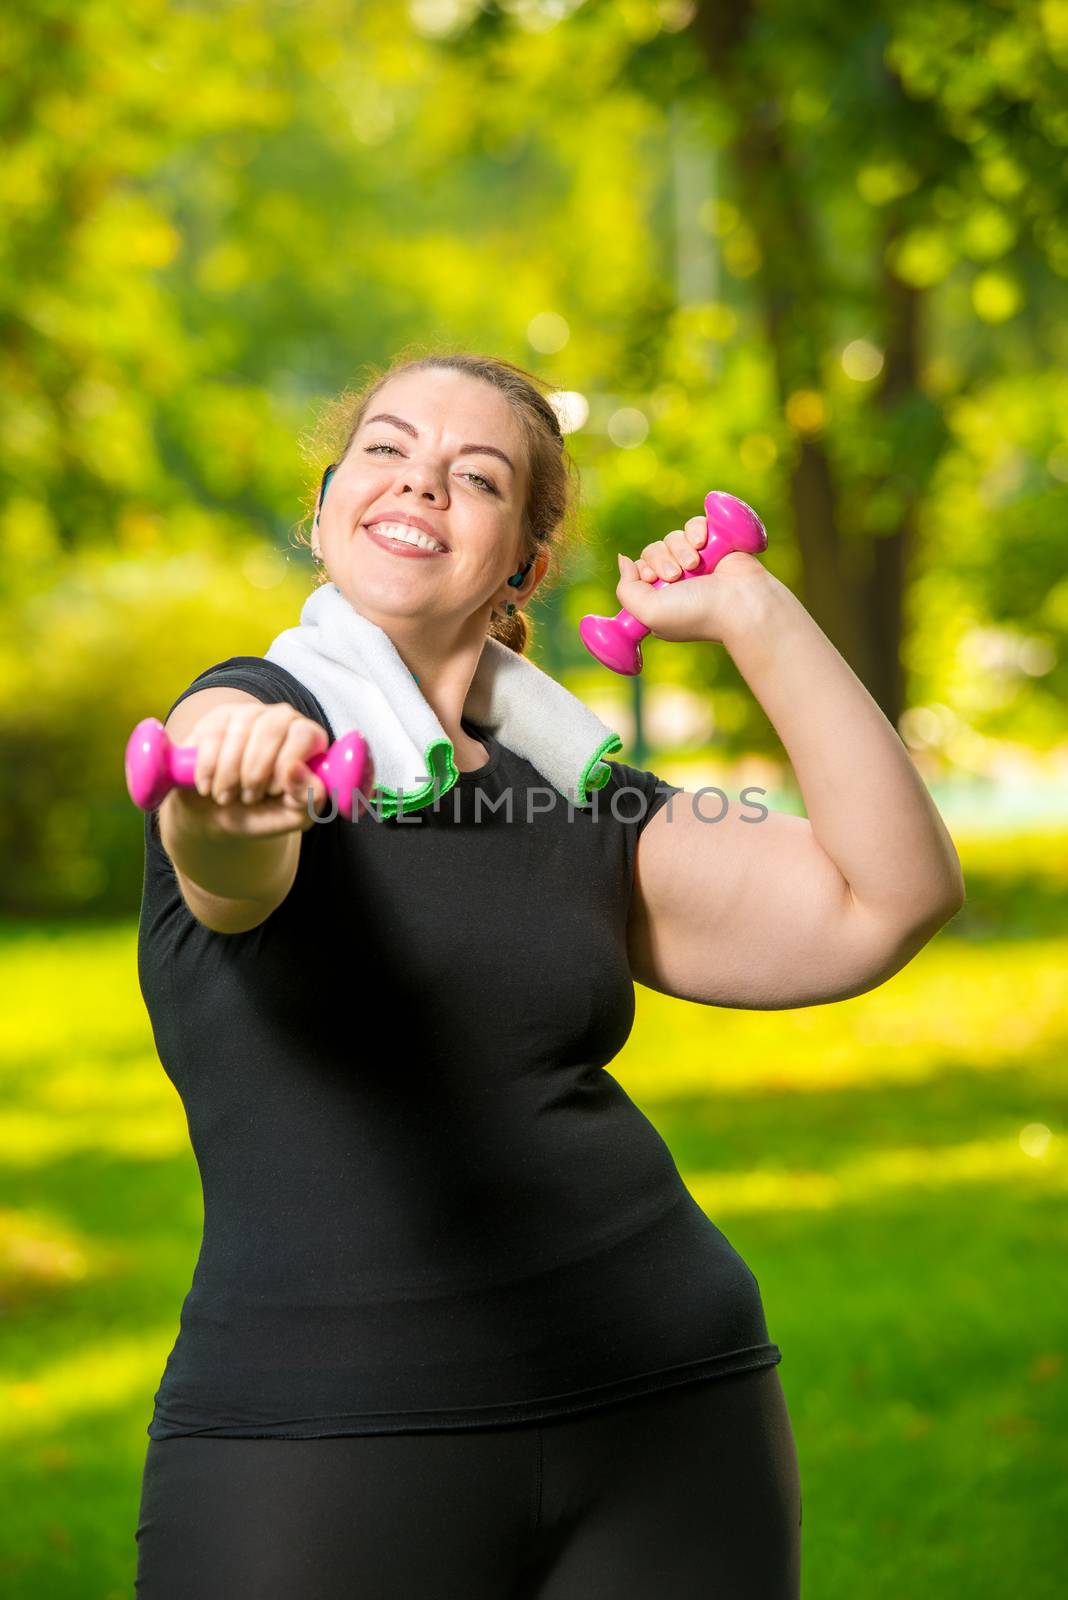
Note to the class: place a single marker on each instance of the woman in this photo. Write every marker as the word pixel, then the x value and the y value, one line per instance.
pixel 457 1327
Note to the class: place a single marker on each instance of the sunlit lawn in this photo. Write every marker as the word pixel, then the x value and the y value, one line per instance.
pixel 892 1168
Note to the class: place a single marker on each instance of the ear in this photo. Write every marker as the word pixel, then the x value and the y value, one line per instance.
pixel 536 574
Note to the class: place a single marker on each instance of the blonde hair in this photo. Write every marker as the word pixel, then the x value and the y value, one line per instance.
pixel 549 520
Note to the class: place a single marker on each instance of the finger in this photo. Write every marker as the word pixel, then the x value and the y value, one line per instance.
pixel 696 529
pixel 302 789
pixel 226 780
pixel 206 737
pixel 629 572
pixel 680 545
pixel 304 740
pixel 660 559
pixel 266 738
pixel 313 737
pixel 634 594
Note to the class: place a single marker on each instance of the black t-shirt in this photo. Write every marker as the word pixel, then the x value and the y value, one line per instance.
pixel 427 1203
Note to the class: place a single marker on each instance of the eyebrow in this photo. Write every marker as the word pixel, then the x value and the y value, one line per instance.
pixel 464 450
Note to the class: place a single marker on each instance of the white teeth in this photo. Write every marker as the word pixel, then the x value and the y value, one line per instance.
pixel 407 535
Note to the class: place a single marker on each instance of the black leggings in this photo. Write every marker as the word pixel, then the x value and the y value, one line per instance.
pixel 687 1492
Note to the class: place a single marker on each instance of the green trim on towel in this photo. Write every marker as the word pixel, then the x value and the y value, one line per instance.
pixel 597 772
pixel 441 765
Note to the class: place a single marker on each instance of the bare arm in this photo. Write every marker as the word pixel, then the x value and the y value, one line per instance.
pixel 753 914
pixel 789 911
pixel 868 807
pixel 248 878
pixel 236 862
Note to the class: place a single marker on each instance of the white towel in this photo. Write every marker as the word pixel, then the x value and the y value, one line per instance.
pixel 357 674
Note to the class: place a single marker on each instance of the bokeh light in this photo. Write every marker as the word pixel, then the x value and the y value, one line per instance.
pixel 862 360
pixel 996 296
pixel 572 409
pixel 757 452
pixel 628 427
pixel 1035 1140
pixel 806 410
pixel 547 333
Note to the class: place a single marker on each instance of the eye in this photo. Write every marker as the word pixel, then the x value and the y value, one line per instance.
pixel 371 448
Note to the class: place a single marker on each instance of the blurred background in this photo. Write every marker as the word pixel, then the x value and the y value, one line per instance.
pixel 812 254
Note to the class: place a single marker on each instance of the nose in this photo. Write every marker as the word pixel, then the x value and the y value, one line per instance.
pixel 418 480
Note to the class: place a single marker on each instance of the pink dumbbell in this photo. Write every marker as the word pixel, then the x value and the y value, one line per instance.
pixel 154 766
pixel 732 525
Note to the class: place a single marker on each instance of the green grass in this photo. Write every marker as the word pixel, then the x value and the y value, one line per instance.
pixel 893 1169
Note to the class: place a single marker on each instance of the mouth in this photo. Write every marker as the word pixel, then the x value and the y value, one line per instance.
pixel 401 539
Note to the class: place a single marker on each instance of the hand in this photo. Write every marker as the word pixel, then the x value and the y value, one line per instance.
pixel 701 608
pixel 258 750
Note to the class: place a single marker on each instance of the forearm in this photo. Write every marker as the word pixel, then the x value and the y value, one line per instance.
pixel 868 806
pixel 227 866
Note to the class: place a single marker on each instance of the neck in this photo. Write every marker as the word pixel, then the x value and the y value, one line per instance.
pixel 444 667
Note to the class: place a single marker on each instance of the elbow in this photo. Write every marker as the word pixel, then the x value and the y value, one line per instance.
pixel 939 913
pixel 941 906
pixel 955 896
pixel 956 893
pixel 888 944
pixel 922 917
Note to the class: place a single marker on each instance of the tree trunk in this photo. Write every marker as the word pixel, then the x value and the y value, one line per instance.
pixel 858 601
pixel 882 587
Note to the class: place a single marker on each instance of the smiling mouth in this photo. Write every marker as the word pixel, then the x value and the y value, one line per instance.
pixel 400 538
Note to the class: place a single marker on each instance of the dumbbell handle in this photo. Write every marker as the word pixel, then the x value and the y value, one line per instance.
pixel 155 766
pixel 732 525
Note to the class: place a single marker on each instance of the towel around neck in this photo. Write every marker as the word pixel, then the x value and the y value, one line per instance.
pixel 358 676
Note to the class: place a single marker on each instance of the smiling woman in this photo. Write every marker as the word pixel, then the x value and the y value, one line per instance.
pixel 430 1210
pixel 536 481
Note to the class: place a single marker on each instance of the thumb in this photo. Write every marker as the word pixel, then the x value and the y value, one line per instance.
pixel 637 596
pixel 300 779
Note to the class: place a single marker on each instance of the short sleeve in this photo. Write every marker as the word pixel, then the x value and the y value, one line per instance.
pixel 628 800
pixel 267 680
pixel 635 795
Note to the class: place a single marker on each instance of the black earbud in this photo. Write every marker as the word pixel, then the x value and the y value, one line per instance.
pixel 327 475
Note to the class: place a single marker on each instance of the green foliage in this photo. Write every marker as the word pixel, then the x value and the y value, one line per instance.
pixel 712 222
pixel 146 626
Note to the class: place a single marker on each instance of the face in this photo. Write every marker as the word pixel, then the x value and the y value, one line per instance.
pixel 421 465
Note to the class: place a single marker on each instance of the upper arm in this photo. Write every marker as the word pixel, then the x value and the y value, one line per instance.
pixel 216 912
pixel 753 914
